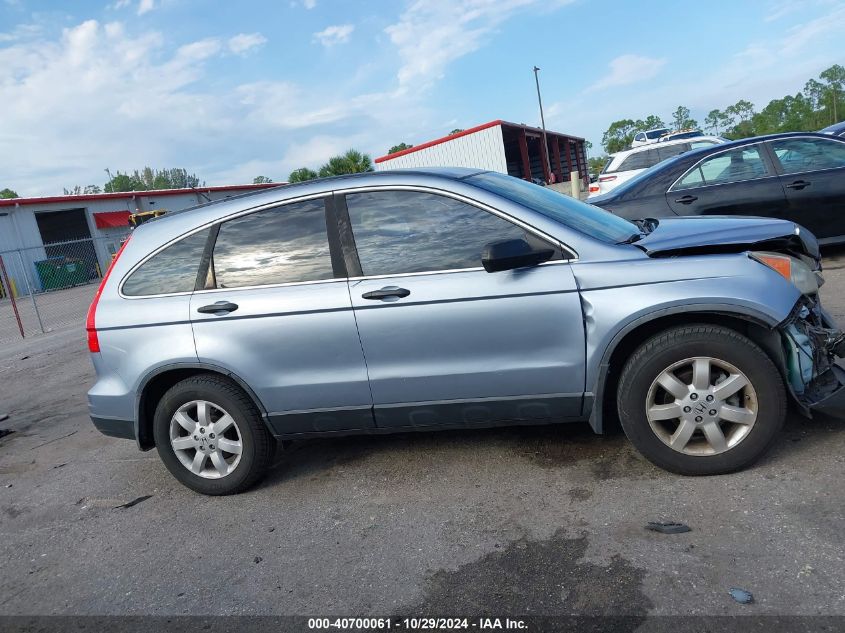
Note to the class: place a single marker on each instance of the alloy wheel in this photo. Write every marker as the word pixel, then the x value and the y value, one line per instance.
pixel 206 439
pixel 701 406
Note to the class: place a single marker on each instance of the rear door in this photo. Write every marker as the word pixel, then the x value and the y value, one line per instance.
pixel 812 174
pixel 276 312
pixel 736 181
pixel 446 342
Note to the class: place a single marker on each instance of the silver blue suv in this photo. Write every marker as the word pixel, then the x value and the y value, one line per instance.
pixel 419 300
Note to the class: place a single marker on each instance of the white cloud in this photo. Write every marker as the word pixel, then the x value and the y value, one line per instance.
pixel 309 4
pixel 242 43
pixel 20 32
pixel 120 4
pixel 331 35
pixel 145 6
pixel 431 34
pixel 628 69
pixel 107 95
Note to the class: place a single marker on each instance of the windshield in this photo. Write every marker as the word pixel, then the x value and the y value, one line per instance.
pixel 568 211
pixel 657 133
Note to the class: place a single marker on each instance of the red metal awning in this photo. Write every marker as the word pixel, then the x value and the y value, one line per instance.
pixel 111 219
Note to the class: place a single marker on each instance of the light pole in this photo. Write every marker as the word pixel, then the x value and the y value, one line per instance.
pixel 543 122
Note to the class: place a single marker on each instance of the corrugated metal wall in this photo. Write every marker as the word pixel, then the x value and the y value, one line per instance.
pixel 483 149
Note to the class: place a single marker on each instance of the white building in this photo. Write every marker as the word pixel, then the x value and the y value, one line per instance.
pixel 83 230
pixel 508 148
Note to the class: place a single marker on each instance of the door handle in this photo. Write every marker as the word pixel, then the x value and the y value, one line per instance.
pixel 387 292
pixel 686 199
pixel 219 307
pixel 798 184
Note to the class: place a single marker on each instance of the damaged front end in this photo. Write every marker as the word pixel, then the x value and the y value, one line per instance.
pixel 811 345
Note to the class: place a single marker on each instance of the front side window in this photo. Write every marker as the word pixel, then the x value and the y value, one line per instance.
pixel 399 232
pixel 285 244
pixel 808 154
pixel 169 271
pixel 742 163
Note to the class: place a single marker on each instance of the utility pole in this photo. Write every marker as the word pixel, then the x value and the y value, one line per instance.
pixel 543 122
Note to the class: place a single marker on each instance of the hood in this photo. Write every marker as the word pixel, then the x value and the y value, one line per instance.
pixel 724 234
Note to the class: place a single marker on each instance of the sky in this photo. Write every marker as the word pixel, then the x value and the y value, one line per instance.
pixel 234 90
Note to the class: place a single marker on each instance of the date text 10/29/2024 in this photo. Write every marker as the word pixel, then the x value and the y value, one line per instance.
pixel 417 624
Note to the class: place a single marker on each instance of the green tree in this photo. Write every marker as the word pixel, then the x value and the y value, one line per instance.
pixel 681 119
pixel 835 78
pixel 456 130
pixel 302 174
pixel 352 162
pixel 148 179
pixel 619 135
pixel 713 121
pixel 652 122
pixel 261 180
pixel 596 164
pixel 7 193
pixel 399 148
pixel 77 190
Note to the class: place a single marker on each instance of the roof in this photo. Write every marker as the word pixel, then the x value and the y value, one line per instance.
pixel 472 130
pixel 12 202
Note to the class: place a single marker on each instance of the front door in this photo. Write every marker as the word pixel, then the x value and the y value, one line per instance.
pixel 738 181
pixel 276 312
pixel 813 179
pixel 447 343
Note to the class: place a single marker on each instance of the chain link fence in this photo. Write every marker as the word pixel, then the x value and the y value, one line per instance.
pixel 49 287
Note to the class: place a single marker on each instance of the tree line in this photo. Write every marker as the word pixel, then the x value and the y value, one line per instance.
pixel 818 105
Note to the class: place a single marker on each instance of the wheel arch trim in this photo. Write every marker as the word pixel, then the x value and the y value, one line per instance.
pixel 142 438
pixel 593 400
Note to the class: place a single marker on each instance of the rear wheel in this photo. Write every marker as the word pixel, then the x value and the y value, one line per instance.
pixel 701 400
pixel 211 437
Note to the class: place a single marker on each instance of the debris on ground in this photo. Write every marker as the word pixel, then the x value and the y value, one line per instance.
pixel 4 416
pixel 134 502
pixel 741 595
pixel 668 527
pixel 257 559
pixel 5 432
pixel 60 465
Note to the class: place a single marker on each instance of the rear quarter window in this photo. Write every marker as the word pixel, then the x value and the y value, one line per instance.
pixel 169 271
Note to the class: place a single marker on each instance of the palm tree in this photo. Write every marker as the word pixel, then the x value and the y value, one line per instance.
pixel 352 162
pixel 301 175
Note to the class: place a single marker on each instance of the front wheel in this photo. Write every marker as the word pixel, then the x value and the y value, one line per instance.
pixel 701 400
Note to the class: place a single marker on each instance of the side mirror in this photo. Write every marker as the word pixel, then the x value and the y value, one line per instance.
pixel 511 254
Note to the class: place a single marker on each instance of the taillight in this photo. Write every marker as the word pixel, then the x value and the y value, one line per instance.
pixel 606 178
pixel 594 188
pixel 90 321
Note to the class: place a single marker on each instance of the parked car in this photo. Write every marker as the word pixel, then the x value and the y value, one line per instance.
pixel 444 298
pixel 837 129
pixel 797 176
pixel 649 136
pixel 623 166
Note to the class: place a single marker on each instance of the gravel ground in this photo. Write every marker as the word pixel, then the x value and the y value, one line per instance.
pixel 529 520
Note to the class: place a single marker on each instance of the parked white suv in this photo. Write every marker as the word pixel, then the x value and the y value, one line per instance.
pixel 625 165
pixel 649 136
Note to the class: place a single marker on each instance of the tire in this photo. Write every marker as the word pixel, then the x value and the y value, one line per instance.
pixel 223 463
pixel 748 417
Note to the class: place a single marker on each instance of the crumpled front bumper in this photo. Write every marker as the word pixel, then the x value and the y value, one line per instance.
pixel 834 402
pixel 813 347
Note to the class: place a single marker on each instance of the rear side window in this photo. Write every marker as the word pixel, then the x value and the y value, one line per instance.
pixel 171 270
pixel 743 163
pixel 809 154
pixel 640 160
pixel 286 244
pixel 668 151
